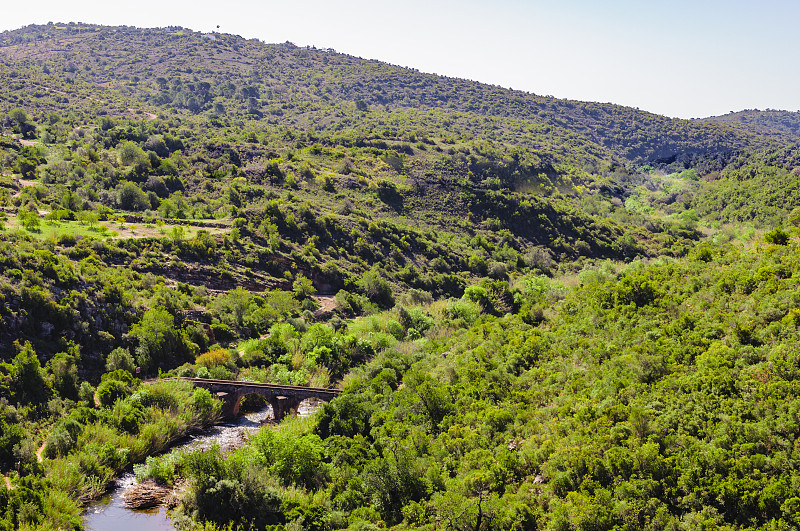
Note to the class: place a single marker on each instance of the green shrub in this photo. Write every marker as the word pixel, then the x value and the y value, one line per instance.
pixel 159 469
pixel 205 405
pixel 109 391
pixel 462 312
pixel 777 236
pixel 416 318
pixel 120 359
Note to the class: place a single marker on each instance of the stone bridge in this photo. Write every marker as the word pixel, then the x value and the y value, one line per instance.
pixel 283 398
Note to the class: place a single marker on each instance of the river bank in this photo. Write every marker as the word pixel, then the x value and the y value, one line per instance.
pixel 110 512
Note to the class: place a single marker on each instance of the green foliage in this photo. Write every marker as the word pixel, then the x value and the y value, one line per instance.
pixel 230 492
pixel 651 396
pixel 29 221
pixel 644 426
pixel 120 359
pixel 205 405
pixel 303 288
pixel 346 416
pixel 295 460
pixel 131 197
pixel 11 437
pixel 109 391
pixel 414 318
pixel 376 289
pixel 62 439
pixel 263 352
pixel 778 236
pixel 159 469
pixel 63 367
pixel 159 343
pixel 240 309
pixel 353 303
pixel 27 379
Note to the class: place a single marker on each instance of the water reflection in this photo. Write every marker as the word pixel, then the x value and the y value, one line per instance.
pixel 109 513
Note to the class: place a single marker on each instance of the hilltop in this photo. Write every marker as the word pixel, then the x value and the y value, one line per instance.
pixel 180 69
pixel 767 120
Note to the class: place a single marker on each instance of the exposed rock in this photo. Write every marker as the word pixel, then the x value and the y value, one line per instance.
pixel 146 495
pixel 514 444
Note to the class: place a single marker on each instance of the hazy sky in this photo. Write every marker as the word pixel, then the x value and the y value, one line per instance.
pixel 680 58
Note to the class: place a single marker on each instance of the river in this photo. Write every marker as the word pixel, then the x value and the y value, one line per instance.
pixel 110 514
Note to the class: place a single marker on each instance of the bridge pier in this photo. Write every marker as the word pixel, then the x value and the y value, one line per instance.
pixel 283 405
pixel 230 403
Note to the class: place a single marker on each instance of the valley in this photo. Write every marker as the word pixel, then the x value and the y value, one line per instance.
pixel 540 313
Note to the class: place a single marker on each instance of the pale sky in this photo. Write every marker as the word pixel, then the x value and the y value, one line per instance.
pixel 680 58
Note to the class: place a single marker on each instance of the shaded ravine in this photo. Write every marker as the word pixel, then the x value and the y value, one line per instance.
pixel 110 514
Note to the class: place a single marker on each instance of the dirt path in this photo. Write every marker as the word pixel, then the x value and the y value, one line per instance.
pixel 148 115
pixel 39 452
pixel 22 184
pixel 327 304
pixel 9 486
pixel 21 140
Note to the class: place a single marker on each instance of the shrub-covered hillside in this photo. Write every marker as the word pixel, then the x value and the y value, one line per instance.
pixel 658 396
pixel 545 314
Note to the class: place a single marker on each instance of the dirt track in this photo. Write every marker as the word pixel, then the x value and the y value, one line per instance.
pixel 326 304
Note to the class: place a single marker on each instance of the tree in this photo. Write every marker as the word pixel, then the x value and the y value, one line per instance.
pixel 376 288
pixel 110 390
pixel 283 302
pixel 347 415
pixel 64 369
pixel 177 234
pixel 71 201
pixel 26 167
pixel 29 221
pixel 18 116
pixel 89 217
pixel 120 359
pixel 479 295
pixel 205 405
pixel 156 144
pixel 159 343
pixel 27 377
pixel 239 308
pixel 794 217
pixel 131 197
pixel 253 106
pixel 130 154
pixel 777 236
pixel 303 288
pixel 10 436
pixel 21 125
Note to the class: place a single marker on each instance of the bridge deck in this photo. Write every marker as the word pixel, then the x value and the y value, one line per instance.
pixel 255 385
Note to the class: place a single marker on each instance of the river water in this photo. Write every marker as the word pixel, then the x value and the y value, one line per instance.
pixel 110 514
